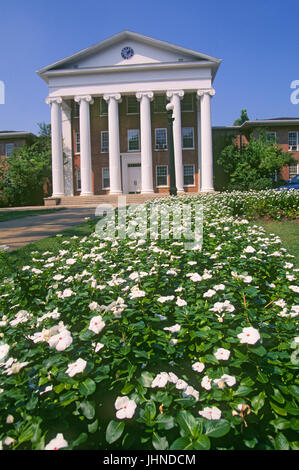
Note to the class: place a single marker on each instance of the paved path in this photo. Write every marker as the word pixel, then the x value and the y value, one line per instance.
pixel 19 232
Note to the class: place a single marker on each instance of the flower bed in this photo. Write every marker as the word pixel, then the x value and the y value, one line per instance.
pixel 144 344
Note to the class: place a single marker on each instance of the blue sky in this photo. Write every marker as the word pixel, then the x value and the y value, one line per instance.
pixel 257 41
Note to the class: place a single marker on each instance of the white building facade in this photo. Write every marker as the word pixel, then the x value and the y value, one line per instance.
pixel 109 120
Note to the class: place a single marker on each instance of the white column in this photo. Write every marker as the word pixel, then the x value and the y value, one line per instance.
pixel 56 140
pixel 199 143
pixel 85 146
pixel 146 141
pixel 114 149
pixel 175 98
pixel 207 184
pixel 67 149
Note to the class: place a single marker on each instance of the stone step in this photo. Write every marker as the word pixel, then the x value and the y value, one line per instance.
pixel 99 199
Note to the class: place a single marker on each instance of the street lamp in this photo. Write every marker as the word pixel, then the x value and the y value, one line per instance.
pixel 172 189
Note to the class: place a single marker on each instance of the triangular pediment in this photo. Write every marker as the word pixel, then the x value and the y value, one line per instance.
pixel 140 50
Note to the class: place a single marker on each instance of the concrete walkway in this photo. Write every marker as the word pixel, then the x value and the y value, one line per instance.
pixel 19 232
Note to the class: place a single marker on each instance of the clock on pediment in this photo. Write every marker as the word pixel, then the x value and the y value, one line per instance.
pixel 127 52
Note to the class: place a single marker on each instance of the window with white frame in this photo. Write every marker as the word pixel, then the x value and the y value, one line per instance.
pixel 161 139
pixel 188 138
pixel 293 170
pixel 132 105
pixel 9 148
pixel 133 140
pixel 160 104
pixel 103 107
pixel 105 178
pixel 187 102
pixel 189 171
pixel 77 142
pixel 76 109
pixel 293 141
pixel 161 175
pixel 78 180
pixel 271 136
pixel 104 141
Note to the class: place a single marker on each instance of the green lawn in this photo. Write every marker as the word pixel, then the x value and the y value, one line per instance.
pixel 288 231
pixel 19 214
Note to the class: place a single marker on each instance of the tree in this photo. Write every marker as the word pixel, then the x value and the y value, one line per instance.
pixel 26 174
pixel 255 167
pixel 244 117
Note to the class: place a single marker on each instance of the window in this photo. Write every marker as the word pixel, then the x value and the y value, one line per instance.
pixel 161 175
pixel 160 139
pixel 271 136
pixel 103 107
pixel 292 170
pixel 133 140
pixel 187 137
pixel 78 180
pixel 187 102
pixel 160 104
pixel 104 141
pixel 293 141
pixel 105 178
pixel 9 149
pixel 77 143
pixel 189 171
pixel 132 105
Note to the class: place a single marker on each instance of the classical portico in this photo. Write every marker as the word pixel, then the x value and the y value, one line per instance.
pixel 99 86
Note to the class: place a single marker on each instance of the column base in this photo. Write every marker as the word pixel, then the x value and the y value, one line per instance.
pixel 149 191
pixel 207 190
pixel 87 194
pixel 58 195
pixel 116 192
pixel 180 192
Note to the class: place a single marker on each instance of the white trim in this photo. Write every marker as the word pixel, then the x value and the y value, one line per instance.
pixel 162 185
pixel 127 106
pixel 76 144
pixel 133 150
pixel 297 138
pixel 78 171
pixel 105 187
pixel 12 147
pixel 166 145
pixel 106 132
pixel 188 148
pixel 127 158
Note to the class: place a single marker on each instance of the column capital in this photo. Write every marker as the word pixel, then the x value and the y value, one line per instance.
pixel 147 94
pixel 87 98
pixel 171 93
pixel 53 99
pixel 208 91
pixel 116 96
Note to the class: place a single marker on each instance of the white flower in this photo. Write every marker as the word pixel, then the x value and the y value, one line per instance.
pixel 195 277
pixel 61 341
pixel 206 382
pixel 57 443
pixel 180 302
pixel 96 324
pixel 172 377
pixel 280 303
pixel 36 271
pixel 190 391
pixel 164 299
pixel 294 288
pixel 97 346
pixel 21 317
pixel 136 292
pixel 249 335
pixel 222 354
pixel 181 385
pixel 211 413
pixel 70 261
pixel 219 287
pixel 125 406
pixel 160 380
pixel 94 306
pixel 225 379
pixel 249 249
pixel 4 348
pixel 173 329
pixel 209 293
pixel 76 367
pixel 66 293
pixel 58 277
pixel 198 366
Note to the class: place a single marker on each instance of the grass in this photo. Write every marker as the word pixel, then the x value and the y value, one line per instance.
pixel 288 231
pixel 19 214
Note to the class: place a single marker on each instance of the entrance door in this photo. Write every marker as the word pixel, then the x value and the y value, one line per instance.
pixel 134 178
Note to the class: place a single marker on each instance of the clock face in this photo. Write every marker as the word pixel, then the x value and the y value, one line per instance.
pixel 127 52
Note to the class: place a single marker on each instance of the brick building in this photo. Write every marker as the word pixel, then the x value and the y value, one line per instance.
pixel 10 141
pixel 109 119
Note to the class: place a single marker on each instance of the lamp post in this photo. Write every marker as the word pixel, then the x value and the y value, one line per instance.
pixel 172 189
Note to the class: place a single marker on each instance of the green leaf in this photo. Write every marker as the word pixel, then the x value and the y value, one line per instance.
pixel 165 422
pixel 149 411
pixel 281 442
pixel 114 431
pixel 87 387
pixel 181 443
pixel 93 427
pixel 88 409
pixel 159 443
pixel 217 428
pixel 146 379
pixel 127 389
pixel 202 443
pixel 277 409
pixel 259 350
pixel 80 439
pixel 277 396
pixel 258 401
pixel 294 390
pixel 188 424
pixel 243 391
